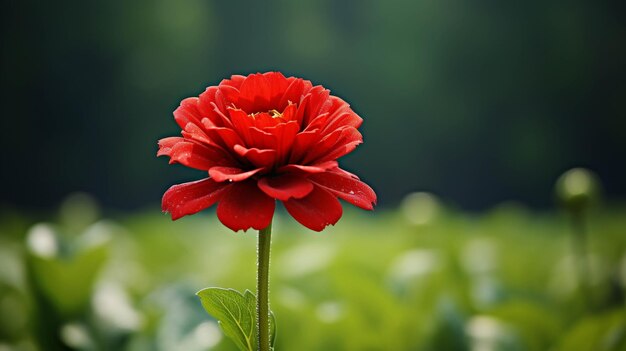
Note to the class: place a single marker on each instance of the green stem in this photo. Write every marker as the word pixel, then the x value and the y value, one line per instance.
pixel 262 293
pixel 579 231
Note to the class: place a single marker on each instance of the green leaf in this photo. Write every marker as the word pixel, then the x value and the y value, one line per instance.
pixel 604 332
pixel 236 315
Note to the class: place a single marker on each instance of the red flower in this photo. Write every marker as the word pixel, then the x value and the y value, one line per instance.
pixel 265 137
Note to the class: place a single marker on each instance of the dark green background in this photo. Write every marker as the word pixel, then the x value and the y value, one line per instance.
pixel 477 101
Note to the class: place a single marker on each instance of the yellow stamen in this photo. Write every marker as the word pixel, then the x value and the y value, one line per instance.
pixel 275 113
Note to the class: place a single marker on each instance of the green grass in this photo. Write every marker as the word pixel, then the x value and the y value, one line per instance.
pixel 501 280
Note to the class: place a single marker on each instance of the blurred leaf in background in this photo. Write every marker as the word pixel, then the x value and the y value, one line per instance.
pixel 495 281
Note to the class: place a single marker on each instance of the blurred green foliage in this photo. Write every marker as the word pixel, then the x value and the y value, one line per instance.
pixel 502 280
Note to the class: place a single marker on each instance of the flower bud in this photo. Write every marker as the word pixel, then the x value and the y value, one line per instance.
pixel 577 188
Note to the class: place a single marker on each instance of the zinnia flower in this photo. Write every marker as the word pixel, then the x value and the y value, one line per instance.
pixel 263 138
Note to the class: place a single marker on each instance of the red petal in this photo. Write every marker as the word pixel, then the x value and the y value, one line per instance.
pixel 207 106
pixel 319 103
pixel 284 137
pixel 192 131
pixel 231 174
pixel 208 124
pixel 318 168
pixel 284 187
pixel 229 137
pixel 219 110
pixel 347 188
pixel 312 104
pixel 264 120
pixel 303 108
pixel 255 94
pixel 234 81
pixel 340 150
pixel 294 92
pixel 334 145
pixel 258 157
pixel 188 112
pixel 345 118
pixel 192 154
pixel 289 113
pixel 278 83
pixel 302 144
pixel 318 146
pixel 318 122
pixel 205 100
pixel 343 172
pixel 188 198
pixel 166 144
pixel 337 104
pixel 230 94
pixel 245 206
pixel 315 211
pixel 262 139
pixel 340 107
pixel 242 122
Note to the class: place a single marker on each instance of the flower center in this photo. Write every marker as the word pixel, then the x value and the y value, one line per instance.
pixel 274 113
pixel 271 113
